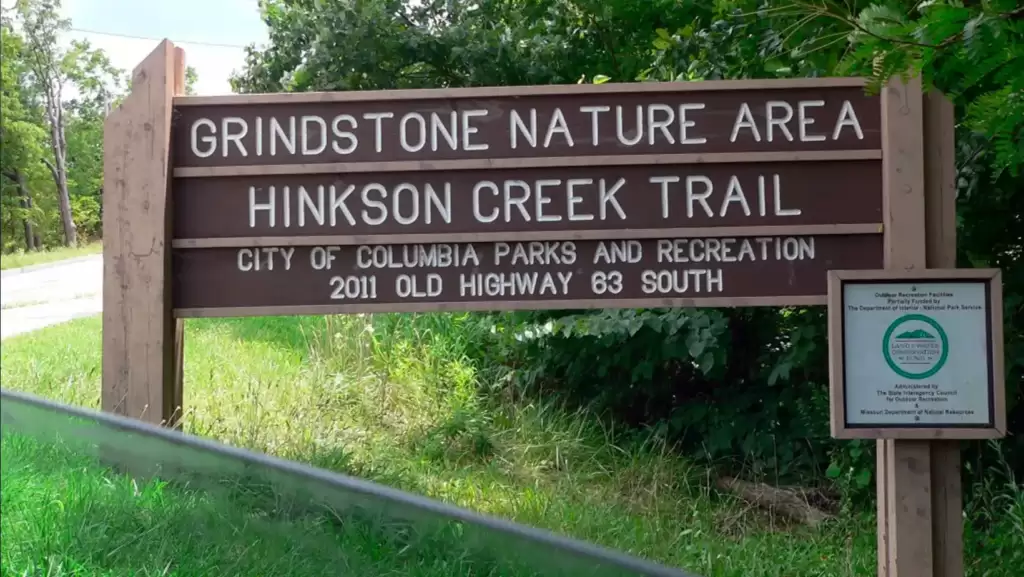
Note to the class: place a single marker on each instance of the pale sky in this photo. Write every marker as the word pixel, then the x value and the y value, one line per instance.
pixel 232 23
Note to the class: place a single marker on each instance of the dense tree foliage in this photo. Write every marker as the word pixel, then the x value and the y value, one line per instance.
pixel 723 382
pixel 54 100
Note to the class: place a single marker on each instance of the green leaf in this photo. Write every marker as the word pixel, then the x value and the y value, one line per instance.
pixel 863 478
pixel 696 347
pixel 833 471
pixel 662 44
pixel 780 371
pixel 663 33
pixel 707 362
pixel 601 79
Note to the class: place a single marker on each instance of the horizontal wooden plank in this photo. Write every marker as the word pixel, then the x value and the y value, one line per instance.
pixel 700 232
pixel 507 91
pixel 417 307
pixel 922 433
pixel 515 163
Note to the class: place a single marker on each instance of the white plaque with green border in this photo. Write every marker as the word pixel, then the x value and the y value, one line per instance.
pixel 916 352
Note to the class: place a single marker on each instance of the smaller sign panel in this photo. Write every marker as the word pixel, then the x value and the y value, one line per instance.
pixel 915 353
pixel 727 271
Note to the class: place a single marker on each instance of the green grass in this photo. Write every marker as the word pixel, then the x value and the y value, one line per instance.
pixel 397 399
pixel 23 259
pixel 64 514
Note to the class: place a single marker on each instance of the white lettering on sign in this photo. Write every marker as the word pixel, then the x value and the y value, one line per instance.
pixel 617 251
pixel 687 250
pixel 403 203
pixel 618 268
pixel 416 256
pixel 681 281
pixel 416 286
pixel 779 114
pixel 264 258
pixel 353 287
pixel 513 284
pixel 602 282
pixel 558 126
pixel 308 135
pixel 534 253
pixel 518 199
pixel 462 130
pixel 697 189
pixel 542 200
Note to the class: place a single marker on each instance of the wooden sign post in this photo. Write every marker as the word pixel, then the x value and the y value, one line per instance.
pixel 693 194
pixel 141 339
pixel 897 374
pixel 917 360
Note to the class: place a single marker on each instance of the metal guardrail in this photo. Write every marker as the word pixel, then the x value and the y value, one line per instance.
pixel 146 450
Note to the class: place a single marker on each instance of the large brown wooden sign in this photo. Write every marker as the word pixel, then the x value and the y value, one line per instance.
pixel 677 194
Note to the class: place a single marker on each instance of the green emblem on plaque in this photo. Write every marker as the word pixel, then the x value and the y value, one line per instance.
pixel 915 346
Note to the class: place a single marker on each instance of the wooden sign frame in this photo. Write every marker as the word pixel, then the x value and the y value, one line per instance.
pixel 991 279
pixel 224 160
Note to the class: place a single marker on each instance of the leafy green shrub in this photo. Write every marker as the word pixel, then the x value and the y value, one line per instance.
pixel 88 214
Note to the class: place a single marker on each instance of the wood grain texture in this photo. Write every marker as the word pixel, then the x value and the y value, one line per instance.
pixel 526 162
pixel 178 393
pixel 566 304
pixel 940 228
pixel 499 91
pixel 540 235
pixel 138 329
pixel 905 507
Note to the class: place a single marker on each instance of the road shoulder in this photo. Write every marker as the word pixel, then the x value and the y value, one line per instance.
pixel 46 265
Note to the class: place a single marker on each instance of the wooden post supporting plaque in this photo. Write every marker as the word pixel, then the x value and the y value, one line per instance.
pixel 916 348
pixel 904 503
pixel 940 233
pixel 141 339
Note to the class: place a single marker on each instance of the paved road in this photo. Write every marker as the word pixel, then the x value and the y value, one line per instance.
pixel 35 298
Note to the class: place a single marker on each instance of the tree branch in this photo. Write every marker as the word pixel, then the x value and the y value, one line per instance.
pixel 53 169
pixel 824 11
pixel 1013 14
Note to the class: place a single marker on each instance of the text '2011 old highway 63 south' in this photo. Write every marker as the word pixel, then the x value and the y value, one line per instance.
pixel 480 201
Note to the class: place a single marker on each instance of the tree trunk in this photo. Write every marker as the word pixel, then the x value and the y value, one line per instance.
pixel 26 203
pixel 25 200
pixel 60 177
pixel 70 230
pixel 30 237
